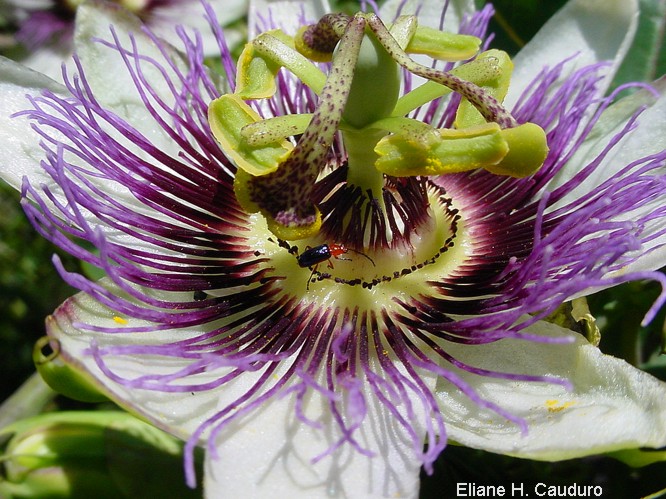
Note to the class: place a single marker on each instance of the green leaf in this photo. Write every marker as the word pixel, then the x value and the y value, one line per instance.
pixel 646 59
pixel 516 21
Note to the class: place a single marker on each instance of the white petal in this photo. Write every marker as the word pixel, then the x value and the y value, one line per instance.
pixel 647 139
pixel 177 413
pixel 596 30
pixel 31 4
pixel 20 153
pixel 650 136
pixel 226 11
pixel 48 60
pixel 270 455
pixel 191 15
pixel 107 73
pixel 112 85
pixel 612 404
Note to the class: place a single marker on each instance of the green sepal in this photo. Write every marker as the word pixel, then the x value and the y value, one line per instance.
pixel 62 377
pixel 227 115
pixel 637 458
pixel 442 45
pixel 438 152
pixel 492 62
pixel 576 315
pixel 528 148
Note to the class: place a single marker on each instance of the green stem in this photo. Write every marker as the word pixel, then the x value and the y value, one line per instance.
pixel 360 147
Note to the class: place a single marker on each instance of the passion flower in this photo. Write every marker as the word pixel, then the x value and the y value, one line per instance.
pixel 324 271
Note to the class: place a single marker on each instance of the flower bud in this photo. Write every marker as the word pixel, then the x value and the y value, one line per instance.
pixel 90 454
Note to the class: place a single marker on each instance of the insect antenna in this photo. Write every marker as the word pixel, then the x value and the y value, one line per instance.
pixel 362 254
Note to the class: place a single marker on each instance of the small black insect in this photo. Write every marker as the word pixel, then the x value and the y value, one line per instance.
pixel 321 253
pixel 312 257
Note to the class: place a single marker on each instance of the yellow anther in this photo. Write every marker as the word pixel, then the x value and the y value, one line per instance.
pixel 227 116
pixel 528 148
pixel 442 45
